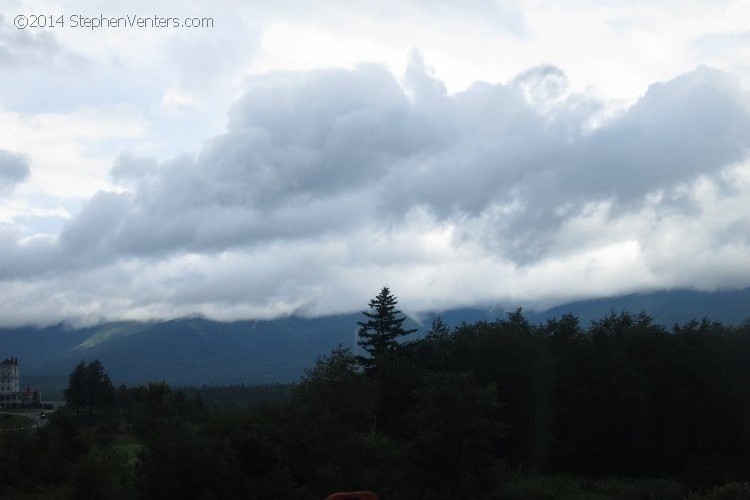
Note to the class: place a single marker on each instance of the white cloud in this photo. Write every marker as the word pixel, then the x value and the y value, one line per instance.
pixel 343 179
pixel 364 146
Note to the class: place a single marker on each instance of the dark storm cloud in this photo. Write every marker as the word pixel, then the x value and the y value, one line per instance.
pixel 301 153
pixel 14 168
pixel 524 160
pixel 91 231
pixel 327 152
pixel 695 124
pixel 320 132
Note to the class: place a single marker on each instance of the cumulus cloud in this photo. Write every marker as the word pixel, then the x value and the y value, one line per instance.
pixel 348 177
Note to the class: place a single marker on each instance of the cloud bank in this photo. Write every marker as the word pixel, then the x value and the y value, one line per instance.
pixel 329 183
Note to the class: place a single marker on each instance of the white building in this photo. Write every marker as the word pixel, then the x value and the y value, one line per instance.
pixel 9 385
pixel 9 376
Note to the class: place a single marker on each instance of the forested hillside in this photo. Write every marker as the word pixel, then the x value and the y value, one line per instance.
pixel 503 409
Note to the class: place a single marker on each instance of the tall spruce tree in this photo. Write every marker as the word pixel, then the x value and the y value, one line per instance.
pixel 383 331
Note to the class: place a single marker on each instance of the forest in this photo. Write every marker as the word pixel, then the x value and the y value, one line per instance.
pixel 622 408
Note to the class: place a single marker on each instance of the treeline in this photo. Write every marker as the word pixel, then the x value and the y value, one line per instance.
pixel 623 408
pixel 622 397
pixel 229 398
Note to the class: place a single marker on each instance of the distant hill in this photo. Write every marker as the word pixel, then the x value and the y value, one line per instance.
pixel 666 307
pixel 197 351
pixel 186 351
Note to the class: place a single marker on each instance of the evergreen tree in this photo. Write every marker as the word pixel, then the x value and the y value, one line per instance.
pixel 439 331
pixel 381 333
pixel 89 388
pixel 76 394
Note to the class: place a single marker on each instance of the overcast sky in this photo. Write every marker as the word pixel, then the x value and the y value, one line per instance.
pixel 297 156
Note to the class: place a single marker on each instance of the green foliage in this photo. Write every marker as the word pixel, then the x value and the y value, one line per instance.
pixel 538 487
pixel 381 334
pixel 240 397
pixel 623 409
pixel 102 474
pixel 14 422
pixel 89 388
pixel 457 425
pixel 332 409
pixel 731 491
pixel 128 446
pixel 156 407
pixel 61 460
pixel 439 331
pixel 181 462
pixel 336 389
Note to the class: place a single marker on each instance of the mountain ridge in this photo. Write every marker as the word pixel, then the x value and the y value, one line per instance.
pixel 195 350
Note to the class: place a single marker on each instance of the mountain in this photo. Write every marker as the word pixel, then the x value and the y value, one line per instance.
pixel 666 307
pixel 199 351
pixel 185 351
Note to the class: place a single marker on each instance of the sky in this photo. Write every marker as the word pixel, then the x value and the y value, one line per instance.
pixel 294 157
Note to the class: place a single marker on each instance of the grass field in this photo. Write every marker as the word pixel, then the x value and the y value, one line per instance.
pixel 128 445
pixel 13 422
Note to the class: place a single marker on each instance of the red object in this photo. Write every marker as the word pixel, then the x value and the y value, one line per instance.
pixel 357 495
